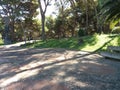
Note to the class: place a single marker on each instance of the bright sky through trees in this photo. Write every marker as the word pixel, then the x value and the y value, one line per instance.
pixel 50 10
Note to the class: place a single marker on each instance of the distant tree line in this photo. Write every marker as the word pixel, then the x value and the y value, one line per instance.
pixel 73 18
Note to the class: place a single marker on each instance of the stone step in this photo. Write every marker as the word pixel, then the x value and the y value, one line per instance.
pixel 114 48
pixel 111 55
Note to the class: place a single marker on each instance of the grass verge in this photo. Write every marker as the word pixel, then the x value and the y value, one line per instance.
pixel 1 42
pixel 89 43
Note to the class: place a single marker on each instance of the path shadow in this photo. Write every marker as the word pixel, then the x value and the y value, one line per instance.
pixel 54 69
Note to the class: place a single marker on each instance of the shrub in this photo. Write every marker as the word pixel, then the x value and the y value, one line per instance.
pixel 81 32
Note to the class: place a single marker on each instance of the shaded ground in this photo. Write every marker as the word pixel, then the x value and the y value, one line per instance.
pixel 56 69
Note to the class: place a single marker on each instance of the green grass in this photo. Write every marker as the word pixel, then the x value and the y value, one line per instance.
pixel 90 43
pixel 1 42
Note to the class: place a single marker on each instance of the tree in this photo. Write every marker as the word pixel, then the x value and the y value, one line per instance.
pixel 50 23
pixel 67 18
pixel 43 4
pixel 85 12
pixel 110 10
pixel 17 9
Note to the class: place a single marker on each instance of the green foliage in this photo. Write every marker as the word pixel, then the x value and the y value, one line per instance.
pixel 1 41
pixel 91 43
pixel 116 30
pixel 110 10
pixel 71 15
pixel 50 23
pixel 1 26
pixel 81 32
pixel 19 11
pixel 113 24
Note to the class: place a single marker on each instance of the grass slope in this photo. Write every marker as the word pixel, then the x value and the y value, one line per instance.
pixel 90 43
pixel 1 42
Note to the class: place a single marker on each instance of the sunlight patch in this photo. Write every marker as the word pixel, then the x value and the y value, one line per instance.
pixel 61 73
pixel 19 76
pixel 75 82
pixel 91 62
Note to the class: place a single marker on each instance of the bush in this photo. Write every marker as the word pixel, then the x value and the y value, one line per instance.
pixel 81 32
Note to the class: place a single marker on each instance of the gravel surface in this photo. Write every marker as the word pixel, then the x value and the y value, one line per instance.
pixel 56 69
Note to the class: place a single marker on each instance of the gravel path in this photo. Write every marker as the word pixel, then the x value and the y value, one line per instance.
pixel 56 69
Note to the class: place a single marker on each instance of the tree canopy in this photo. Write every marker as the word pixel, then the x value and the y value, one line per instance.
pixel 72 17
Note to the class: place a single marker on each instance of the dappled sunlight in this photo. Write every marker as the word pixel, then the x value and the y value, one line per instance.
pixel 68 67
pixel 66 63
pixel 70 78
pixel 60 73
pixel 82 52
pixel 83 68
pixel 55 60
pixel 30 65
pixel 34 67
pixel 80 84
pixel 62 57
pixel 38 63
pixel 17 50
pixel 19 76
pixel 71 68
pixel 96 68
pixel 4 67
pixel 93 56
pixel 14 52
pixel 76 82
pixel 37 85
pixel 91 62
pixel 10 57
pixel 49 67
pixel 75 47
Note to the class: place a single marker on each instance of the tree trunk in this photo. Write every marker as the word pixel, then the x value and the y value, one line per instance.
pixel 96 13
pixel 12 31
pixel 42 12
pixel 43 27
pixel 86 6
pixel 7 30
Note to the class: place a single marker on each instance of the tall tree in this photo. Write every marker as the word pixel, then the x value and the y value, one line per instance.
pixel 43 4
pixel 14 9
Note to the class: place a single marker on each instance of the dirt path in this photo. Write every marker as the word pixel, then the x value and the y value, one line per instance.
pixel 56 69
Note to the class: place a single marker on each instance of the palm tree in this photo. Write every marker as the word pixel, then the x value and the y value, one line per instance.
pixel 111 10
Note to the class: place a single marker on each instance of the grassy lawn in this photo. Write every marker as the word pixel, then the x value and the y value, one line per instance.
pixel 1 42
pixel 90 43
